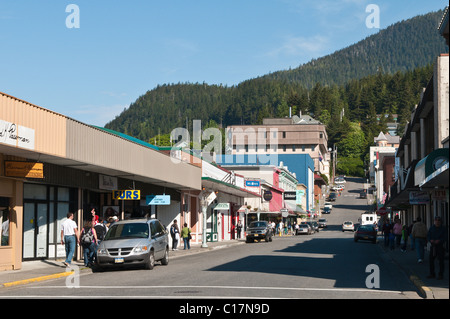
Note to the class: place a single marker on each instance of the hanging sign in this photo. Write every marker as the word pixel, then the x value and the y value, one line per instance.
pixel 157 199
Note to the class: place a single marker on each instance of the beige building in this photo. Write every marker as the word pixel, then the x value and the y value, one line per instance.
pixel 51 164
pixel 283 136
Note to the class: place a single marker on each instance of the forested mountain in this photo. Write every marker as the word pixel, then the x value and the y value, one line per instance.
pixel 382 74
pixel 403 46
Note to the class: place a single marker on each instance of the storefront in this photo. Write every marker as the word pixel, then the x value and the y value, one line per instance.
pixel 51 165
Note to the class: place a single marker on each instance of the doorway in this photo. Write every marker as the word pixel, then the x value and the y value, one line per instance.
pixel 35 230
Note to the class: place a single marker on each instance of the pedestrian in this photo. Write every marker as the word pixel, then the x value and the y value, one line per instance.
pixel 280 228
pixel 411 240
pixel 69 237
pixel 100 230
pixel 386 232
pixel 392 240
pixel 437 236
pixel 186 234
pixel 175 233
pixel 88 240
pixel 238 229
pixel 397 231
pixel 5 231
pixel 404 240
pixel 419 234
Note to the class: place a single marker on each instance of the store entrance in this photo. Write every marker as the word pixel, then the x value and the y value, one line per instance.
pixel 35 230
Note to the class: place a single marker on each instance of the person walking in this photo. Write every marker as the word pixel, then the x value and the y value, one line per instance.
pixel 419 234
pixel 404 241
pixel 175 234
pixel 69 237
pixel 386 232
pixel 437 236
pixel 186 235
pixel 88 239
pixel 397 231
pixel 238 230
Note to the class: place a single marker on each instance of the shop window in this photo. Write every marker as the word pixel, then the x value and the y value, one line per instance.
pixel 4 221
pixel 32 191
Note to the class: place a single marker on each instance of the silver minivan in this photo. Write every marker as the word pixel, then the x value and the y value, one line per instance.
pixel 134 241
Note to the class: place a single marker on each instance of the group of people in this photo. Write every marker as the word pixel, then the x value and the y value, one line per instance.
pixel 89 237
pixel 176 234
pixel 398 235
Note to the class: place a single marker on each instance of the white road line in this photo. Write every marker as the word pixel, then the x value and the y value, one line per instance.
pixel 228 287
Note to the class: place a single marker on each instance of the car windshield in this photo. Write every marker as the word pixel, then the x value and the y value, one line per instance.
pixel 348 223
pixel 258 224
pixel 303 226
pixel 332 194
pixel 129 230
pixel 322 220
pixel 366 228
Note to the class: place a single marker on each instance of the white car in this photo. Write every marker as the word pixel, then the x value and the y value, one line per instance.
pixel 329 205
pixel 348 225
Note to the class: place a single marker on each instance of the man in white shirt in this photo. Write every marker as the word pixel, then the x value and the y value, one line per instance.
pixel 69 237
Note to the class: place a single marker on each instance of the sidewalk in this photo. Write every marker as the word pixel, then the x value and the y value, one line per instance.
pixel 42 270
pixel 430 288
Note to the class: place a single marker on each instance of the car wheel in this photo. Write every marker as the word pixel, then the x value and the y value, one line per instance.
pixel 165 260
pixel 150 260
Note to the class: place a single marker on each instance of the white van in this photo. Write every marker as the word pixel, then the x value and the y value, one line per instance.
pixel 368 219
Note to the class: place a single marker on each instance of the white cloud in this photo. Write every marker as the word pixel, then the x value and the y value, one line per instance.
pixel 95 114
pixel 301 46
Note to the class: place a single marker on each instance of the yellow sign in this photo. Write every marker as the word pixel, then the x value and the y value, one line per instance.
pixel 129 194
pixel 24 169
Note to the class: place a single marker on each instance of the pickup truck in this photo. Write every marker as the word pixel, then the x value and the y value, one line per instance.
pixel 259 230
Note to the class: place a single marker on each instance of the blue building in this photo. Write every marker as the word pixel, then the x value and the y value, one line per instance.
pixel 300 164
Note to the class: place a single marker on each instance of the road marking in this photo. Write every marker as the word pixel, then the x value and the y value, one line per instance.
pixel 229 287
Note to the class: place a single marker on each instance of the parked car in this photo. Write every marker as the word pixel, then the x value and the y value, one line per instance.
pixel 326 210
pixel 348 225
pixel 259 230
pixel 314 226
pixel 303 229
pixel 329 205
pixel 134 242
pixel 363 194
pixel 322 223
pixel 332 197
pixel 337 187
pixel 366 232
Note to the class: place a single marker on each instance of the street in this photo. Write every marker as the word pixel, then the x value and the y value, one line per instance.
pixel 324 265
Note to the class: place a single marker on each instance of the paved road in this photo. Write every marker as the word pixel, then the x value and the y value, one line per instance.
pixel 325 265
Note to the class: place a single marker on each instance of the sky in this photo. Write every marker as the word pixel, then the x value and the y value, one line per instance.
pixel 92 60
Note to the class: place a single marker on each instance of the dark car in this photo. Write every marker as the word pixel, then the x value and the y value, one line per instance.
pixel 332 197
pixel 366 232
pixel 314 226
pixel 363 195
pixel 259 230
pixel 326 210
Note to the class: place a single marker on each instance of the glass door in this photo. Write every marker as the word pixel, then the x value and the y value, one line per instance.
pixel 35 230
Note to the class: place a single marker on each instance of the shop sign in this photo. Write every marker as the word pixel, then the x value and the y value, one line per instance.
pixel 419 198
pixel 267 195
pixel 252 183
pixel 24 169
pixel 16 135
pixel 157 199
pixel 222 206
pixel 107 182
pixel 290 195
pixel 129 194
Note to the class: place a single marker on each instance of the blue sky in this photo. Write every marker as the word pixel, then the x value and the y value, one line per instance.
pixel 124 48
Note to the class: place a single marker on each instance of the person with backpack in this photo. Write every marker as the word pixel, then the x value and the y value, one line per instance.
pixel 175 233
pixel 88 241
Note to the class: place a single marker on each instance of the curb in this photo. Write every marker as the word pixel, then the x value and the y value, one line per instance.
pixel 36 279
pixel 426 291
